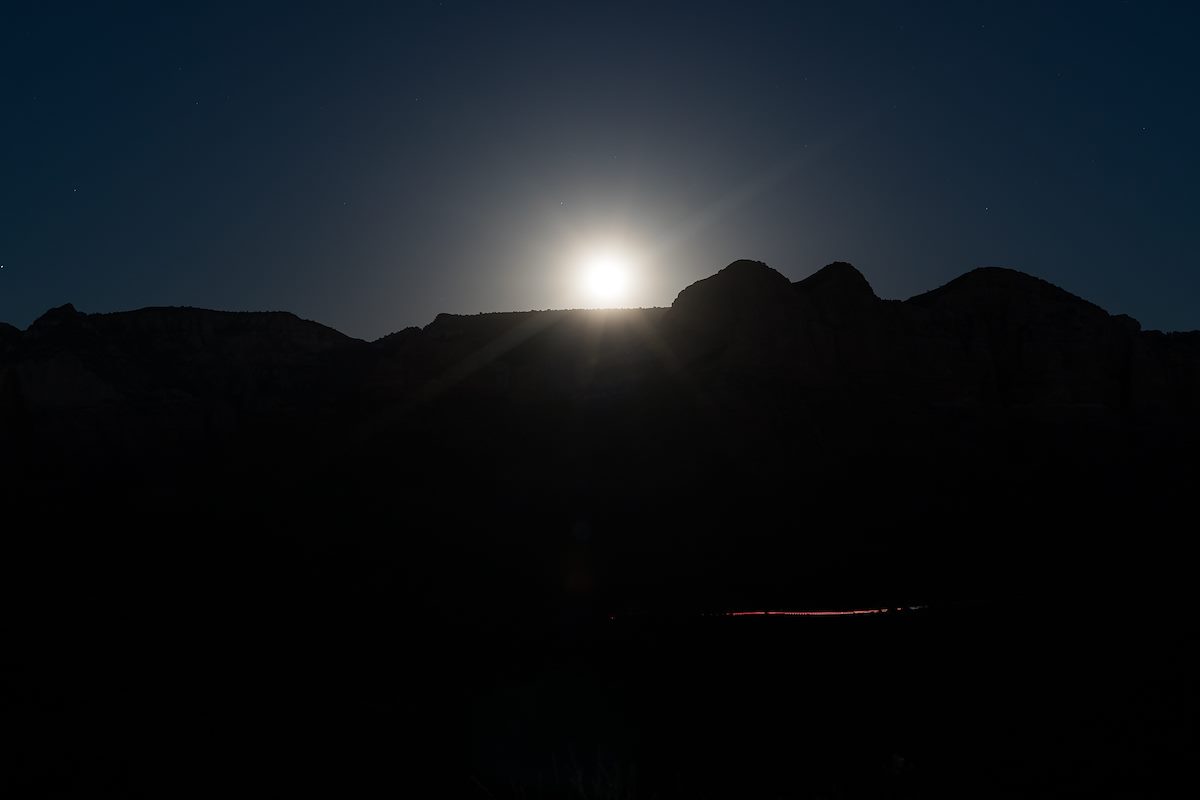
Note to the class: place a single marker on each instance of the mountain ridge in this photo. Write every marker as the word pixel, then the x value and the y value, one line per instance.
pixel 991 336
pixel 837 272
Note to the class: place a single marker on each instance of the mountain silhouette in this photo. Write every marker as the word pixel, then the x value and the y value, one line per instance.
pixel 750 391
pixel 496 482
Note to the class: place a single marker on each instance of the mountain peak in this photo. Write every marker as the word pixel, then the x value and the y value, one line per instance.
pixel 745 267
pixel 1002 287
pixel 837 289
pixel 743 282
pixel 840 278
pixel 55 319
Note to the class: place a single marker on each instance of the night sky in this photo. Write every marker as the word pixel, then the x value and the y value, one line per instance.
pixel 369 166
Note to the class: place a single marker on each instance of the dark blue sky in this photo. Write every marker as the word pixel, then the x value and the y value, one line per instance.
pixel 371 165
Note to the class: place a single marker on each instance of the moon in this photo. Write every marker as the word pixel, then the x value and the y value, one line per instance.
pixel 606 277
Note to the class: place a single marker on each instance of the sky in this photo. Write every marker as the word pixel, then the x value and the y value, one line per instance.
pixel 370 165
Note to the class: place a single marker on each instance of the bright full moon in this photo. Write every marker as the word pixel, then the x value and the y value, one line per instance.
pixel 606 276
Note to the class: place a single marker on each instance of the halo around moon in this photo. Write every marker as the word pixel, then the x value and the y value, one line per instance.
pixel 606 276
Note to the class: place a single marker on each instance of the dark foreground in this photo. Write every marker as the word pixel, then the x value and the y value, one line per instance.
pixel 984 700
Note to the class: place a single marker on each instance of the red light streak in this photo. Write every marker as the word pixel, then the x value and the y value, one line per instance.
pixel 846 613
pixel 850 612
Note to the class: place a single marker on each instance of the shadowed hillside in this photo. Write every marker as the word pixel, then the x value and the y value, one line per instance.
pixel 184 486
